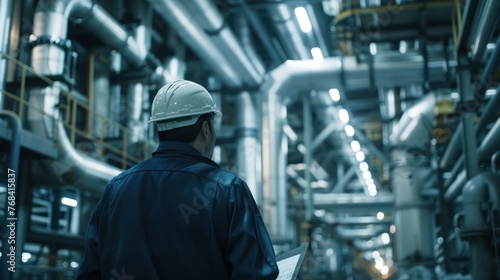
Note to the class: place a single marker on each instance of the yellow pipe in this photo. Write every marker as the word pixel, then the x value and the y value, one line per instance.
pixel 412 6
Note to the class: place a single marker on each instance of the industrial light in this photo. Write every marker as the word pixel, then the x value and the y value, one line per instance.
pixel 303 19
pixel 367 175
pixel 69 201
pixel 349 130
pixel 343 115
pixel 355 146
pixel 403 46
pixel 372 190
pixel 392 229
pixel 317 54
pixel 380 216
pixel 491 92
pixel 369 182
pixel 373 48
pixel 74 264
pixel 25 257
pixel 334 94
pixel 360 156
pixel 375 254
pixel 385 238
pixel 363 166
pixel 384 269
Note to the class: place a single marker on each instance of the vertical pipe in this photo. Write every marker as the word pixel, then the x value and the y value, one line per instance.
pixel 135 96
pixel 247 143
pixel 467 116
pixel 308 156
pixel 5 22
pixel 475 194
pixel 283 224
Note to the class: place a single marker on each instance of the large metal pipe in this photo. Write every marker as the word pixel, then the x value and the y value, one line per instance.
pixel 199 41
pixel 368 232
pixel 479 191
pixel 410 173
pixel 211 21
pixel 305 75
pixel 283 21
pixel 51 20
pixel 486 27
pixel 353 202
pixel 5 22
pixel 248 146
pixel 243 31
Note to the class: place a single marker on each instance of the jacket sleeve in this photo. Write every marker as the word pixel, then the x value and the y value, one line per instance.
pixel 250 253
pixel 89 267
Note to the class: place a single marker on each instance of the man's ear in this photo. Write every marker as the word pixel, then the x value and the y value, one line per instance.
pixel 205 129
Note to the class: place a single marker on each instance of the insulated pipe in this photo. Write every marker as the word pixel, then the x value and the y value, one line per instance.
pixel 356 220
pixel 5 22
pixel 296 76
pixel 248 144
pixel 360 233
pixel 244 33
pixel 476 195
pixel 409 175
pixel 212 22
pixel 199 41
pixel 51 20
pixel 353 202
pixel 284 21
pixel 485 27
pixel 135 96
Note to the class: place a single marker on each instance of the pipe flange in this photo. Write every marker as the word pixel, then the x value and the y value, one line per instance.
pixel 64 44
pixel 470 233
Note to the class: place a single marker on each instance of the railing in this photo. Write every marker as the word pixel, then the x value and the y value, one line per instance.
pixel 70 108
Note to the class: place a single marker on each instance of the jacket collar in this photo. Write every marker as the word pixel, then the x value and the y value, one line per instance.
pixel 181 149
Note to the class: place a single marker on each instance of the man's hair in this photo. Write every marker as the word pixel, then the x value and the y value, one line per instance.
pixel 186 134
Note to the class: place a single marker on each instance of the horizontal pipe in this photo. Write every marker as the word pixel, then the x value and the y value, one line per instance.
pixel 348 202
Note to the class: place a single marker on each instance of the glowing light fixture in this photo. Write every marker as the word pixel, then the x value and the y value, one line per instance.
pixel 317 54
pixel 349 130
pixel 303 19
pixel 343 115
pixel 363 166
pixel 360 156
pixel 355 146
pixel 69 201
pixel 334 94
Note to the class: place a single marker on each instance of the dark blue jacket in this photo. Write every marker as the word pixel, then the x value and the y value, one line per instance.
pixel 177 215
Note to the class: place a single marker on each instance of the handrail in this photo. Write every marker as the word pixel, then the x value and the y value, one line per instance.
pixel 70 111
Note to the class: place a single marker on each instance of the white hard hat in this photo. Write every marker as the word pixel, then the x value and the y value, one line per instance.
pixel 180 104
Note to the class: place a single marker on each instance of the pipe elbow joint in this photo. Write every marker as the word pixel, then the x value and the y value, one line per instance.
pixel 475 190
